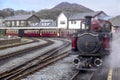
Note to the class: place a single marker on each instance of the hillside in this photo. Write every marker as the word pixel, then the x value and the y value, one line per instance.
pixel 64 6
pixel 48 13
pixel 115 20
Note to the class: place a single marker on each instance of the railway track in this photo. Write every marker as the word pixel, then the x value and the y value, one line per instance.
pixel 34 64
pixel 80 75
pixel 26 50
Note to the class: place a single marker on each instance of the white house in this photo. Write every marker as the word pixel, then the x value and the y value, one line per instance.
pixel 62 20
pixel 75 20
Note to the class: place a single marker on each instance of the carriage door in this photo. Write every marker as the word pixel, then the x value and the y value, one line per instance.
pixel 21 32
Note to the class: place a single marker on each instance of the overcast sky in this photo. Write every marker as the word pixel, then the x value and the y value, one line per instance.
pixel 111 7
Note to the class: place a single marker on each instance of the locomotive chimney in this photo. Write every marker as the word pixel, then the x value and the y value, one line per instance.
pixel 88 22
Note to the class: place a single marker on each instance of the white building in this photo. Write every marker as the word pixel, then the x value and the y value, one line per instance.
pixel 75 20
pixel 62 20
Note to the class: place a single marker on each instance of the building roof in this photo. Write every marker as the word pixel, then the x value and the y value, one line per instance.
pixel 82 15
pixel 19 17
pixel 47 24
pixel 46 20
pixel 67 13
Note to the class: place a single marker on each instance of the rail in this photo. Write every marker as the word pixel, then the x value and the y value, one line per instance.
pixel 25 50
pixel 83 75
pixel 34 64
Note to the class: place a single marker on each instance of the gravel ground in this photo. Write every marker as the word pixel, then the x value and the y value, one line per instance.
pixel 14 49
pixel 61 70
pixel 15 62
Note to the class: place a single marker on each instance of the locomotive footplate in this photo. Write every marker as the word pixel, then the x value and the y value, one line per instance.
pixel 114 74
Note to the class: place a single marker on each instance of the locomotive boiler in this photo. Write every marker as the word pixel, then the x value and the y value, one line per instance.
pixel 91 43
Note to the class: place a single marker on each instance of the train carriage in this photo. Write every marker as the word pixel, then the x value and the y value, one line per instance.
pixel 31 33
pixel 67 32
pixel 42 32
pixel 49 32
pixel 13 32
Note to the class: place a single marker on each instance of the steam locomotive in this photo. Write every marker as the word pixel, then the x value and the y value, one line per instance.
pixel 91 43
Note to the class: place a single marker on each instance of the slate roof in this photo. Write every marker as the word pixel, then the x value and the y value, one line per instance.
pixel 19 17
pixel 67 13
pixel 52 24
pixel 46 20
pixel 82 15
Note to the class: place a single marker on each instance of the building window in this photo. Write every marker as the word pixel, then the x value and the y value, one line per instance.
pixel 8 23
pixel 45 23
pixel 23 23
pixel 62 22
pixel 17 23
pixel 73 22
pixel 82 25
pixel 13 23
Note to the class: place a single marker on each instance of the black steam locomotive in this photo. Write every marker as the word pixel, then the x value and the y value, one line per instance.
pixel 91 43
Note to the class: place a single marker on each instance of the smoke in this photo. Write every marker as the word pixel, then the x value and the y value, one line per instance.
pixel 114 57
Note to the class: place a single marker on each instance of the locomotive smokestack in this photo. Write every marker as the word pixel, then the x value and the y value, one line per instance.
pixel 88 22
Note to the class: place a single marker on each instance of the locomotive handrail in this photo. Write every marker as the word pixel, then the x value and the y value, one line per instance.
pixel 87 33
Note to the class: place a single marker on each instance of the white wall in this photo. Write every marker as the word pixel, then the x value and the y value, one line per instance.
pixel 62 18
pixel 75 24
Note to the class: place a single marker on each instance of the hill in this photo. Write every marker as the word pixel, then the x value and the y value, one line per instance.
pixel 115 21
pixel 64 6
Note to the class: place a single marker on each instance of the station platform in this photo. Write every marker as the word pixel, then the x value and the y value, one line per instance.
pixel 114 74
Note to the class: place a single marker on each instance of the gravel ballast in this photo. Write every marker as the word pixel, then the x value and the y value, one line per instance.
pixel 60 70
pixel 14 49
pixel 15 62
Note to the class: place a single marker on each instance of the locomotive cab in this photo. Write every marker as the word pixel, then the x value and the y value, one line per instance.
pixel 91 43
